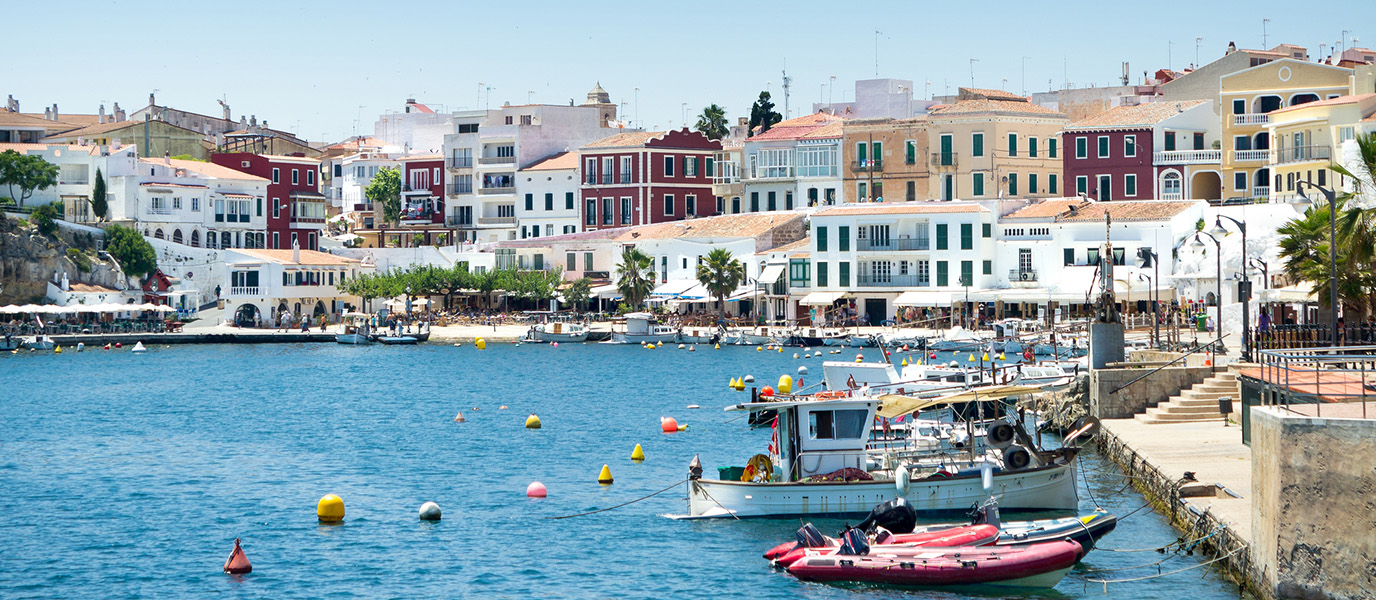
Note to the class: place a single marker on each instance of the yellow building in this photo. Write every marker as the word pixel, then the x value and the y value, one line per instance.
pixel 888 159
pixel 1249 97
pixel 993 144
pixel 1307 138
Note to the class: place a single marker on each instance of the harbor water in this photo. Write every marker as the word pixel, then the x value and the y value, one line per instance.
pixel 129 476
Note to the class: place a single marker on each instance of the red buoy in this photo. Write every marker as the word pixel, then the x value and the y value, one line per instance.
pixel 237 564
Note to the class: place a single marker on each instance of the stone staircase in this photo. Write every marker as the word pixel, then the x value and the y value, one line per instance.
pixel 1196 404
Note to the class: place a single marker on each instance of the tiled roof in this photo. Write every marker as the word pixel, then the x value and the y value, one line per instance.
pixel 204 169
pixel 627 139
pixel 807 126
pixel 746 225
pixel 291 159
pixel 103 128
pixel 980 106
pixel 1045 209
pixel 190 186
pixel 26 148
pixel 90 287
pixel 73 120
pixel 901 208
pixel 14 119
pixel 1329 102
pixel 1145 210
pixel 308 257
pixel 989 94
pixel 555 162
pixel 422 157
pixel 1142 115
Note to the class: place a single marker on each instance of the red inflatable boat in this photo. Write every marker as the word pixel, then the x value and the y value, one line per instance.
pixel 907 543
pixel 1035 565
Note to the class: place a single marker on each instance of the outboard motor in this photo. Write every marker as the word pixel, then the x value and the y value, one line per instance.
pixel 988 514
pixel 896 515
pixel 809 537
pixel 882 536
pixel 854 542
pixel 695 468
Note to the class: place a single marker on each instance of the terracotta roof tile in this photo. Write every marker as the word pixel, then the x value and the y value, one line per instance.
pixel 14 119
pixel 901 208
pixel 103 128
pixel 807 126
pixel 1045 209
pixel 204 169
pixel 1142 210
pixel 989 94
pixel 26 148
pixel 627 139
pixel 722 226
pixel 421 157
pixel 308 257
pixel 1329 102
pixel 802 244
pixel 981 106
pixel 1142 115
pixel 555 162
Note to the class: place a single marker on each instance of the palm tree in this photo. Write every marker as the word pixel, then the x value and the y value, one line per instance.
pixel 721 274
pixel 635 276
pixel 712 122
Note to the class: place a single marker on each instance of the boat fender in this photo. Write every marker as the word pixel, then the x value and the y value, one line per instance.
pixel 902 480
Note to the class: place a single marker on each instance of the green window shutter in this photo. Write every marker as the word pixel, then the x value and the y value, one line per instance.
pixel 943 276
pixel 967 236
pixel 1130 185
pixel 568 200
pixel 821 239
pixel 860 152
pixel 941 236
pixel 967 272
pixel 710 166
pixel 1012 144
pixel 878 155
pixel 988 230
pixel 843 238
pixel 1103 146
pixel 1051 183
pixel 976 143
pixel 1032 147
pixel 821 274
pixel 988 267
pixel 530 201
pixel 1031 183
pixel 1081 184
pixel 911 152
pixel 978 184
pixel 1012 184
pixel 1080 147
pixel 1069 256
pixel 1170 142
pixel 1051 148
pixel 843 275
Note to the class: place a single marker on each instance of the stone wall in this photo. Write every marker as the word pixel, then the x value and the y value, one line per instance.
pixel 1314 521
pixel 1158 387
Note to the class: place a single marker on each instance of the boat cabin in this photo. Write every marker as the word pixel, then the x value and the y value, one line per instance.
pixel 817 437
pixel 645 324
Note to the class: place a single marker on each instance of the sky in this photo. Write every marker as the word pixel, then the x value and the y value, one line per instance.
pixel 328 70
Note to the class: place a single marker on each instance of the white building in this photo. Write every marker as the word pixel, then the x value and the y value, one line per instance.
pixel 191 202
pixel 796 164
pixel 417 129
pixel 549 196
pixel 357 172
pixel 77 166
pixel 261 284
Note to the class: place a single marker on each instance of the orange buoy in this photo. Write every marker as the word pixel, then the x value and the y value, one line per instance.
pixel 767 392
pixel 237 563
pixel 668 424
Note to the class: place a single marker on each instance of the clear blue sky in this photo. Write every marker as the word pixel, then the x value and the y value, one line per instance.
pixel 307 67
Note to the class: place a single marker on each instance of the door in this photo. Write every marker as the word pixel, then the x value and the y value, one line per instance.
pixel 876 309
pixel 1105 188
pixel 947 187
pixel 946 158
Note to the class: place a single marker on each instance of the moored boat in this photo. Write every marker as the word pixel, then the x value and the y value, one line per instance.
pixel 643 328
pixel 898 545
pixel 1034 565
pixel 398 340
pixel 354 328
pixel 557 332
pixel 699 335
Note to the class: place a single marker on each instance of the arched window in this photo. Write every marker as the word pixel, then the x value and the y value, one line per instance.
pixel 177 236
pixel 1211 299
pixel 210 239
pixel 1170 185
pixel 195 238
pixel 158 234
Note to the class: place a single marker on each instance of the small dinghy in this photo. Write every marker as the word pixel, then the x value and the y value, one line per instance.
pixel 399 340
pixel 1034 565
pixel 812 542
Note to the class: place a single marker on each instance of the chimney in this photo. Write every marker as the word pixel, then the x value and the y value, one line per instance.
pixel 12 104
pixel 1232 47
pixel 296 252
pixel 167 158
pixel 102 114
pixel 119 114
pixel 55 111
pixel 265 123
pixel 47 113
pixel 253 120
pixel 151 100
pixel 243 122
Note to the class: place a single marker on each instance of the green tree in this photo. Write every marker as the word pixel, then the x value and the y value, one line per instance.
pixel 45 218
pixel 635 276
pixel 133 253
pixel 579 292
pixel 712 122
pixel 28 173
pixel 721 274
pixel 385 189
pixel 762 114
pixel 99 205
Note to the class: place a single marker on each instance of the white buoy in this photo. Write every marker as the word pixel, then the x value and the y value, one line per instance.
pixel 795 355
pixel 80 346
pixel 138 347
pixel 681 346
pixel 802 370
pixel 430 511
pixel 693 406
pixel 692 348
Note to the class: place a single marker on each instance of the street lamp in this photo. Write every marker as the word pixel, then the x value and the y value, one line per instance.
pixel 1198 244
pixel 1150 259
pixel 965 308
pixel 1244 287
pixel 1332 198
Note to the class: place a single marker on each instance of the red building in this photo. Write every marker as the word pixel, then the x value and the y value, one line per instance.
pixel 637 178
pixel 1121 153
pixel 296 208
pixel 422 190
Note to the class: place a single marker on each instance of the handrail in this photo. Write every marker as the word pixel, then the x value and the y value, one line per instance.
pixel 1197 348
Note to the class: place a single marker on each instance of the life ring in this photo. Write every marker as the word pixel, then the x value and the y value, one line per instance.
pixel 759 469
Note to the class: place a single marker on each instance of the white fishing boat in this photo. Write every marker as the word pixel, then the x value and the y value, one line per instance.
pixel 10 342
pixel 820 336
pixel 354 328
pixel 557 332
pixel 642 328
pixel 39 342
pixel 958 339
pixel 699 335
pixel 757 336
pixel 819 440
pixel 860 341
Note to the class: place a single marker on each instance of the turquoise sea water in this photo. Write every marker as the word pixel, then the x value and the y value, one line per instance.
pixel 129 476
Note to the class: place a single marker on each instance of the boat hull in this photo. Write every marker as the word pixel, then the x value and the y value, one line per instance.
pixel 650 338
pixel 1050 487
pixel 352 338
pixel 1039 565
pixel 545 337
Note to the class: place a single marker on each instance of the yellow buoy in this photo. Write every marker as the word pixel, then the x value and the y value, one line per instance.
pixel 986 356
pixel 781 349
pixel 785 384
pixel 480 343
pixel 330 509
pixel 605 477
pixel 532 422
pixel 904 363
pixel 972 357
pixel 57 350
pixel 759 348
pixel 636 454
pixel 716 346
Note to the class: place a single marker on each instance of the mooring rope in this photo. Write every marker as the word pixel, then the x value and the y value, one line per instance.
pixel 1145 577
pixel 1180 542
pixel 593 512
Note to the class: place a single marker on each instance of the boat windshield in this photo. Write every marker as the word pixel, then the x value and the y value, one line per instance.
pixel 837 424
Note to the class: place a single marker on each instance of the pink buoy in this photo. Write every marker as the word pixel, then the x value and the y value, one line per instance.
pixel 536 490
pixel 859 357
pixel 556 344
pixel 668 424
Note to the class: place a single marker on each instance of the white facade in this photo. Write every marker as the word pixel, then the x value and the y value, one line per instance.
pixel 357 172
pixel 260 284
pixel 416 130
pixel 190 202
pixel 77 166
pixel 548 203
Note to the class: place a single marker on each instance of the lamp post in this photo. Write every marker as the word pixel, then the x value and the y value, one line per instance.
pixel 1332 198
pixel 1244 287
pixel 1148 256
pixel 965 307
pixel 1218 291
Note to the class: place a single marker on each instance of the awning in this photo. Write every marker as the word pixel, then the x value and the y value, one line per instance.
pixel 739 295
pixel 1294 294
pixel 821 298
pixel 894 405
pixel 771 274
pixel 673 287
pixel 608 291
pixel 923 298
pixel 697 293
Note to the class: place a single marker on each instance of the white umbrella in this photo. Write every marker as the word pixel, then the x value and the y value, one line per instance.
pixel 165 309
pixel 148 306
pixel 9 310
pixel 30 308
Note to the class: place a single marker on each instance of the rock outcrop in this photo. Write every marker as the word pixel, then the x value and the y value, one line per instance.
pixel 29 260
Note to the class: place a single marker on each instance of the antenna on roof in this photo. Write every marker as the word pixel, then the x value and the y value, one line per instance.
pixel 787 81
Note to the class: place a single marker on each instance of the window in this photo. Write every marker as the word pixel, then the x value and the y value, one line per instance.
pixel 587 261
pixel 260 211
pixel 735 205
pixel 530 202
pixel 861 156
pixel 1239 106
pixel 987 230
pixel 607 163
pixel 821 274
pixel 843 238
pixel 690 205
pixel 967 236
pixel 941 236
pixel 721 205
pixel 1051 183
pixel 1032 147
pixel 1051 148
pixel 296 177
pixel 943 275
pixel 468 128
pixel 669 204
pixel 1081 184
pixel 625 211
pixel 967 272
pixel 1323 180
pixel 1069 256
pixel 1103 146
pixel 788 200
pixel 276 208
pixel 1031 183
pixel 1129 185
pixel 625 169
pixel 1012 184
pixel 1012 144
pixel 976 144
pixel 1120 257
pixel 977 184
pixel 947 155
pixel 568 200
pixel 591 217
pixel 821 234
pixel 196 201
pixel 549 201
pixel 1170 141
pixel 711 171
pixel 1080 145
pixel 606 211
pixel 690 166
pixel 668 166
pixel 1092 256
pixel 276 175
pixel 843 274
pixel 1240 180
pixel 310 177
pixel 1129 145
pixel 590 171
pixel 798 272
pixel 910 152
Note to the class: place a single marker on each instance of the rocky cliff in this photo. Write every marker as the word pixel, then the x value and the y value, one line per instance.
pixel 29 260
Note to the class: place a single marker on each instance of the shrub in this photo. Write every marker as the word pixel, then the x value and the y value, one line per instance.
pixel 79 258
pixel 45 218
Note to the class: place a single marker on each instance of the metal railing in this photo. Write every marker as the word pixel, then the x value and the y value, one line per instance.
pixel 454 189
pixel 893 244
pixel 1187 157
pixel 459 162
pixel 873 280
pixel 944 159
pixel 1022 275
pixel 496 191
pixel 1252 119
pixel 1318 376
pixel 496 220
pixel 872 165
pixel 1303 153
pixel 497 160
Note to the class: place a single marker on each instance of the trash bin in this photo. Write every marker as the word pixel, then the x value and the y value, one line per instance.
pixel 1201 322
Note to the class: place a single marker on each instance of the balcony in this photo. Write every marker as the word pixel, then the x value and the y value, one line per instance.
pixel 894 245
pixel 459 162
pixel 458 222
pixel 1251 155
pixel 597 275
pixel 496 220
pixel 1252 119
pixel 455 189
pixel 497 160
pixel 1261 191
pixel 1303 153
pixel 249 291
pixel 363 207
pixel 944 159
pixel 1022 275
pixel 1187 157
pixel 891 281
pixel 497 191
pixel 1171 196
pixel 875 165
